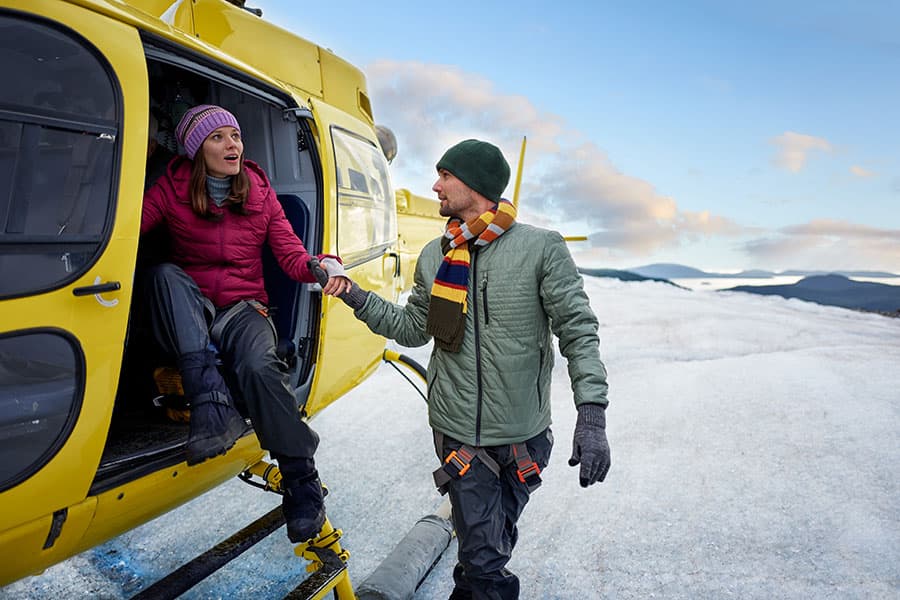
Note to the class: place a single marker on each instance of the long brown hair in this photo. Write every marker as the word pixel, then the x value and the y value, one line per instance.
pixel 240 186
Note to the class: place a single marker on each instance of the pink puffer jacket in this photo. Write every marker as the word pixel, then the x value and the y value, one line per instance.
pixel 224 257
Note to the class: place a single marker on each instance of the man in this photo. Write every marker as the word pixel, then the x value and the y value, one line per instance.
pixel 489 292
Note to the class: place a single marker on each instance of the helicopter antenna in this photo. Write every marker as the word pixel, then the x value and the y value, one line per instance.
pixel 240 4
pixel 519 173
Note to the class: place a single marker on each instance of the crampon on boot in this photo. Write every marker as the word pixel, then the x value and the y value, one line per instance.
pixel 215 426
pixel 303 503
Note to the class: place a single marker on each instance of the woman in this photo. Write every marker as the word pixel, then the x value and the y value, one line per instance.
pixel 219 210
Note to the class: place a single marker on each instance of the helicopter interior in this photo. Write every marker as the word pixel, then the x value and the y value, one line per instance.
pixel 143 437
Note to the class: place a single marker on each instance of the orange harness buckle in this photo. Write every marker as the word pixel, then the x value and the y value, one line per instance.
pixel 460 459
pixel 527 469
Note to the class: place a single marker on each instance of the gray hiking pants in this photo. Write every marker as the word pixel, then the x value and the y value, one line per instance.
pixel 182 319
pixel 486 509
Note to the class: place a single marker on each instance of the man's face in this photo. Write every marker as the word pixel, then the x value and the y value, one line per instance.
pixel 457 199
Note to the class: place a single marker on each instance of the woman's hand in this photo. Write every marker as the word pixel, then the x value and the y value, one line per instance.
pixel 337 285
pixel 337 282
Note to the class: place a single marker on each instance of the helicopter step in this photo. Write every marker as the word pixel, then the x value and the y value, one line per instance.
pixel 328 566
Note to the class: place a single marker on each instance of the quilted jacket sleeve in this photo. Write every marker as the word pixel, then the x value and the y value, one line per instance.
pixel 405 324
pixel 573 322
pixel 152 209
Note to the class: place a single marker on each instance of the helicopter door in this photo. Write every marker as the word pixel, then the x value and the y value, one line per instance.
pixel 66 261
pixel 366 240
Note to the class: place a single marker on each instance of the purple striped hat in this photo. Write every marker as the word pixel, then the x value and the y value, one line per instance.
pixel 200 121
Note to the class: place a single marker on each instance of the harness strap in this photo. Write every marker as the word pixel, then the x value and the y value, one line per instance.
pixel 222 319
pixel 460 460
pixel 528 471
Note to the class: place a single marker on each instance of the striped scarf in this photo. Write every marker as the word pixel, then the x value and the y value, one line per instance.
pixel 446 312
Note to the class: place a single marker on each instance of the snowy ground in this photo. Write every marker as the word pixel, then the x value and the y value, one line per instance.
pixel 755 441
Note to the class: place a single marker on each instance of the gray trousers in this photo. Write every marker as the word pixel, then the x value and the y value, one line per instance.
pixel 182 318
pixel 486 509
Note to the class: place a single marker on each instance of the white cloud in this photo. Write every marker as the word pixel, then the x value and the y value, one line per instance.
pixel 431 107
pixel 567 179
pixel 861 171
pixel 794 149
pixel 570 183
pixel 831 244
pixel 843 229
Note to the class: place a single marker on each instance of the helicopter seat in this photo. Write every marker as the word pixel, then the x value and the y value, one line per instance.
pixel 285 293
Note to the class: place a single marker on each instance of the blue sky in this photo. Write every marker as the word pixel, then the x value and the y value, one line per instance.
pixel 722 135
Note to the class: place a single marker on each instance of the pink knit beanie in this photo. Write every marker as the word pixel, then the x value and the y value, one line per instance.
pixel 200 121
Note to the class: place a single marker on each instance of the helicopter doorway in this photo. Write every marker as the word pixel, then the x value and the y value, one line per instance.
pixel 143 436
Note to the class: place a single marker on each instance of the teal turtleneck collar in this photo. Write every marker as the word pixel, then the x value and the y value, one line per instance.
pixel 218 188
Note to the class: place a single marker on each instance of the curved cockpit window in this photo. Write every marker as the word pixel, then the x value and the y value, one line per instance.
pixel 367 222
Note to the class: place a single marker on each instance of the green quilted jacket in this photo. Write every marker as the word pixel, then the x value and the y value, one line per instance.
pixel 496 389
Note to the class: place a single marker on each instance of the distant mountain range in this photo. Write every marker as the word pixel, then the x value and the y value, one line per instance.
pixel 622 275
pixel 676 271
pixel 834 290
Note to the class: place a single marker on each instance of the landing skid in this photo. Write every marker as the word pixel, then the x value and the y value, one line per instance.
pixel 328 561
pixel 329 571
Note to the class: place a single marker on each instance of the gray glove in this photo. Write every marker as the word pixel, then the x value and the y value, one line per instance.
pixel 589 445
pixel 355 297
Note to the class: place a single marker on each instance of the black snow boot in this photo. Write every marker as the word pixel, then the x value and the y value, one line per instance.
pixel 304 503
pixel 215 423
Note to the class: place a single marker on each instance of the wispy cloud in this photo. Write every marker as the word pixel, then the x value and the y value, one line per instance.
pixel 844 229
pixel 567 178
pixel 794 149
pixel 861 171
pixel 838 244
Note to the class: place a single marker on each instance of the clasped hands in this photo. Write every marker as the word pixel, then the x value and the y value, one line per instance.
pixel 335 282
pixel 331 276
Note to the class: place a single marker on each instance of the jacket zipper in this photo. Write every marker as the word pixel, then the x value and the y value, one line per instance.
pixel 484 298
pixel 479 393
pixel 218 286
pixel 540 372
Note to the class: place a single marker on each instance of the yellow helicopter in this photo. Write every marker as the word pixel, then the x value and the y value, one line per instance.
pixel 84 453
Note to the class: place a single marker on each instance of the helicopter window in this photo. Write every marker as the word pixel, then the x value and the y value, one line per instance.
pixel 41 376
pixel 57 142
pixel 366 216
pixel 358 182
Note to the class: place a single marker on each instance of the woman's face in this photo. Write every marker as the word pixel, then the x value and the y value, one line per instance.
pixel 222 151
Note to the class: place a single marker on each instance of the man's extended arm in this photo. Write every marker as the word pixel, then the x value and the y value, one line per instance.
pixel 575 324
pixel 405 324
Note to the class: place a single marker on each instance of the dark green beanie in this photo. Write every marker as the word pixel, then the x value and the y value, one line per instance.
pixel 479 165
